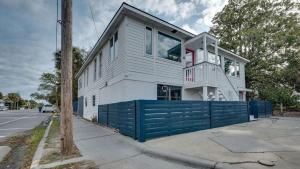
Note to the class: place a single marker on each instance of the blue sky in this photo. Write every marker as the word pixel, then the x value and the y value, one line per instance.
pixel 27 32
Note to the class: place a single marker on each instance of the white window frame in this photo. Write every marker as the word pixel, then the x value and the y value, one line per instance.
pixel 113 53
pixel 100 65
pixel 152 38
pixel 95 69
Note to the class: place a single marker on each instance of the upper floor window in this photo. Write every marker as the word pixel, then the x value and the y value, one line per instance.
pixel 85 102
pixel 229 67
pixel 79 83
pixel 237 68
pixel 87 76
pixel 169 47
pixel 100 65
pixel 95 69
pixel 113 47
pixel 116 45
pixel 148 41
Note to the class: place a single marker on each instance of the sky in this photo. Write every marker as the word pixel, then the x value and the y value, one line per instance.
pixel 27 32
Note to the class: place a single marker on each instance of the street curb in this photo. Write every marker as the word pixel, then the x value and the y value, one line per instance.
pixel 39 151
pixel 183 159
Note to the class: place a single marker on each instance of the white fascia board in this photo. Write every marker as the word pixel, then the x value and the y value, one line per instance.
pixel 237 56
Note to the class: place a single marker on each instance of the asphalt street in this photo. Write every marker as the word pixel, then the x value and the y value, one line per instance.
pixel 12 122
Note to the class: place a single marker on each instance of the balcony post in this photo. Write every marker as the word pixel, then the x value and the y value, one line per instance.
pixel 204 93
pixel 222 62
pixel 205 49
pixel 216 52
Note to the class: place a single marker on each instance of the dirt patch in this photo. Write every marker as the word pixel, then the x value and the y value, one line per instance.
pixel 52 147
pixel 23 147
pixel 78 165
pixel 287 113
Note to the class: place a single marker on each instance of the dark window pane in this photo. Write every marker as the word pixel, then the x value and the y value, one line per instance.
pixel 94 100
pixel 148 41
pixel 166 92
pixel 237 69
pixel 116 36
pixel 169 47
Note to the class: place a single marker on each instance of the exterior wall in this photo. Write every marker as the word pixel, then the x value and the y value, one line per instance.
pixel 105 88
pixel 151 69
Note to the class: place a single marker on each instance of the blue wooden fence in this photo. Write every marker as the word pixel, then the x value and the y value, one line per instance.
pixel 146 119
pixel 260 109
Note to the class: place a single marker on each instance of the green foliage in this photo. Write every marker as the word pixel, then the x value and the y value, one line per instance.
pixel 1 95
pixel 49 89
pixel 268 34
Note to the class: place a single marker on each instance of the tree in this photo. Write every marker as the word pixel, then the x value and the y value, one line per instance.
pixel 50 86
pixel 14 98
pixel 78 55
pixel 1 95
pixel 267 33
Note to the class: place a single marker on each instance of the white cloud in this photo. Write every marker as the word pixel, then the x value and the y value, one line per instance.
pixel 212 7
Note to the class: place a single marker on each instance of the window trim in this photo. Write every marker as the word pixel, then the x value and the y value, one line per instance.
pixel 152 44
pixel 95 69
pixel 100 65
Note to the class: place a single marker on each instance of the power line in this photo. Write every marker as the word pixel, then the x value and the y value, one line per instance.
pixel 93 18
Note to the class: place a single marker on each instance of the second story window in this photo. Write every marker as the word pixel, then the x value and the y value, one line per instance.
pixel 148 41
pixel 95 69
pixel 111 49
pixel 87 76
pixel 116 45
pixel 237 69
pixel 169 47
pixel 229 67
pixel 100 65
pixel 79 83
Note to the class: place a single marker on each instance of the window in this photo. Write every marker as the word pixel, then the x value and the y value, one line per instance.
pixel 87 76
pixel 229 67
pixel 85 100
pixel 100 65
pixel 237 69
pixel 166 92
pixel 116 45
pixel 95 69
pixel 169 47
pixel 111 47
pixel 79 83
pixel 94 100
pixel 148 41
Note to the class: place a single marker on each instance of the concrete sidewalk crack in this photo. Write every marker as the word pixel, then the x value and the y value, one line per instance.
pixel 88 138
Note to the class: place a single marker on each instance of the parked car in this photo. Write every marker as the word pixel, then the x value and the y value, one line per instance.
pixel 3 108
pixel 47 108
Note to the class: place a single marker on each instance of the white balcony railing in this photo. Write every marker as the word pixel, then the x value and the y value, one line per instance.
pixel 208 74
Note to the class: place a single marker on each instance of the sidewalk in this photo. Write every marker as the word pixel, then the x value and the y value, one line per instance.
pixel 110 150
pixel 253 145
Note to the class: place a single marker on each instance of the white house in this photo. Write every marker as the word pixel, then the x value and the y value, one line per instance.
pixel 140 56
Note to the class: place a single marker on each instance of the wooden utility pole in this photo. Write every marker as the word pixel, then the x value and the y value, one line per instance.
pixel 66 127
